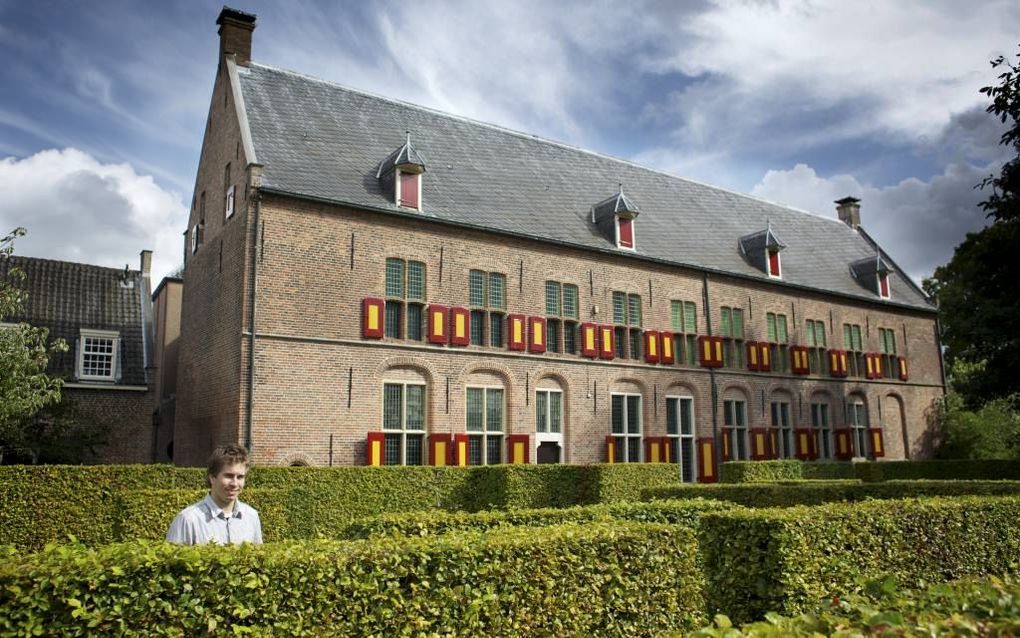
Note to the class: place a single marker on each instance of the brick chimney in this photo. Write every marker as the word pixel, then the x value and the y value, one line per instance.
pixel 235 34
pixel 849 211
pixel 145 262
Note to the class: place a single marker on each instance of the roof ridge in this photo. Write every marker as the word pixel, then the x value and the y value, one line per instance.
pixel 73 263
pixel 539 138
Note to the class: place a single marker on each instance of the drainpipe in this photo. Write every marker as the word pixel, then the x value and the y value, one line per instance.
pixel 942 361
pixel 256 256
pixel 711 376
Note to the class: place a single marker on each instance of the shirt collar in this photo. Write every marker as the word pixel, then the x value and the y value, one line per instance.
pixel 217 512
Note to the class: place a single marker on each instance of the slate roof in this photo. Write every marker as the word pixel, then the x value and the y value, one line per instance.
pixel 65 297
pixel 321 140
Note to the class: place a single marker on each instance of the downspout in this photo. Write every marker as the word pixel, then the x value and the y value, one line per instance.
pixel 942 361
pixel 256 256
pixel 711 377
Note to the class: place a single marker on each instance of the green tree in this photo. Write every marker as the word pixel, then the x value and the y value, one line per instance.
pixel 25 388
pixel 978 291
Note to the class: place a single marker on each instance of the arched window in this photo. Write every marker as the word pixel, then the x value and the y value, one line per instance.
pixel 550 417
pixel 781 421
pixel 857 420
pixel 404 417
pixel 485 409
pixel 734 443
pixel 626 422
pixel 680 432
pixel 821 425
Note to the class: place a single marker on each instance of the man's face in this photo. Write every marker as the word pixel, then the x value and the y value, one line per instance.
pixel 226 485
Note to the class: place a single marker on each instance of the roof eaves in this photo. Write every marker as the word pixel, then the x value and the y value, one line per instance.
pixel 605 251
pixel 242 111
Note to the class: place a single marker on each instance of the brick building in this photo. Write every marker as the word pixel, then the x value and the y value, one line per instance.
pixel 105 316
pixel 370 281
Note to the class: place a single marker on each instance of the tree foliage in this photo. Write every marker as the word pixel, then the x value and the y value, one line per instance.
pixel 978 291
pixel 25 388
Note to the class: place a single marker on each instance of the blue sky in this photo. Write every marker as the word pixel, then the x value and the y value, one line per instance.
pixel 103 103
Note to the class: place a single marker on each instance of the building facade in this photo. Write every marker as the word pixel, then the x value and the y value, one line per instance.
pixel 105 317
pixel 372 282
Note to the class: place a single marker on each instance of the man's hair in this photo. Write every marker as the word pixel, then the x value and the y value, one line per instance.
pixel 223 456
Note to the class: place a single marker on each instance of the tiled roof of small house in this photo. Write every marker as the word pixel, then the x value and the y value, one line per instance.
pixel 65 297
pixel 321 140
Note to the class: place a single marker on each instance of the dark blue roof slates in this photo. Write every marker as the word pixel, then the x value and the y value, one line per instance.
pixel 325 141
pixel 65 297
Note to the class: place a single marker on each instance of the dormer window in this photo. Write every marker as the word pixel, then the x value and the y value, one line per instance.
pixel 402 172
pixel 873 274
pixel 97 355
pixel 761 250
pixel 615 217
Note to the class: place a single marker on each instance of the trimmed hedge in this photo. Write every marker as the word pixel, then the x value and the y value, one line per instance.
pixel 979 470
pixel 988 606
pixel 81 500
pixel 868 471
pixel 686 513
pixel 819 492
pixel 783 470
pixel 601 579
pixel 786 560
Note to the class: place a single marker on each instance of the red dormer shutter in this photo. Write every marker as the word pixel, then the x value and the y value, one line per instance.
pixel 651 346
pixel 883 286
pixel 536 334
pixel 589 340
pixel 607 342
pixel 409 189
pixel 626 236
pixel 774 263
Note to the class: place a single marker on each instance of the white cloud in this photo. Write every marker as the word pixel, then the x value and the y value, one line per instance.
pixel 78 209
pixel 917 222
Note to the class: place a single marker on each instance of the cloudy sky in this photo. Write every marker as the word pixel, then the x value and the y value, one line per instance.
pixel 103 103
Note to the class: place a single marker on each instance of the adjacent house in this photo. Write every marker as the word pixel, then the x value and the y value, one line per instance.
pixel 369 281
pixel 105 316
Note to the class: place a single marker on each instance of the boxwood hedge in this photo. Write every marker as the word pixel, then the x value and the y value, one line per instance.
pixel 789 469
pixel 818 492
pixel 600 579
pixel 780 470
pixel 786 560
pixel 685 513
pixel 82 501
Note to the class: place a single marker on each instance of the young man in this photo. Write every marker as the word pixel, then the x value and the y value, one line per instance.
pixel 220 517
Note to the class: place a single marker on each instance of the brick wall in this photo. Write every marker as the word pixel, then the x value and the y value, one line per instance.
pixel 128 416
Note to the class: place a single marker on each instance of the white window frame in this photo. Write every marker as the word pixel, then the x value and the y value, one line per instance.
pixel 403 430
pixel 680 436
pixel 856 408
pixel 737 430
pixel 549 435
pixel 822 428
pixel 626 435
pixel 228 208
pixel 194 239
pixel 485 433
pixel 398 186
pixel 784 431
pixel 113 336
pixel 633 234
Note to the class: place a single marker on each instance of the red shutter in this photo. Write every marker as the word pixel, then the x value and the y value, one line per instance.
pixel 764 356
pixel 589 340
pixel 706 461
pixel 611 452
pixel 710 349
pixel 759 444
pixel 774 263
pixel 460 326
pixel 438 322
pixel 409 189
pixel 515 332
pixel 837 363
pixel 727 445
pixel 844 443
pixel 773 443
pixel 800 360
pixel 883 286
pixel 804 438
pixel 440 449
pixel 753 358
pixel 651 346
pixel 607 342
pixel 903 369
pixel 517 451
pixel 666 447
pixel 375 449
pixel 626 239
pixel 877 447
pixel 653 450
pixel 460 449
pixel 666 347
pixel 537 334
pixel 372 313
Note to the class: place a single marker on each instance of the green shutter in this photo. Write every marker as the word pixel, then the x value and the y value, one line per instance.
pixel 619 308
pixel 416 280
pixel 552 298
pixel 677 314
pixel 810 332
pixel 738 323
pixel 820 334
pixel 848 341
pixel 634 310
pixel 570 301
pixel 770 321
pixel 690 317
pixel 497 290
pixel 475 397
pixel 781 325
pixel 725 323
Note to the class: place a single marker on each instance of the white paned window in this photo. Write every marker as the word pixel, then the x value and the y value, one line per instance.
pixel 485 417
pixel 680 428
pixel 404 423
pixel 857 417
pixel 97 355
pixel 626 427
